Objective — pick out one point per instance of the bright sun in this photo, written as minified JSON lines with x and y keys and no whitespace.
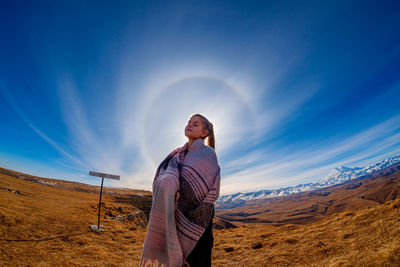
{"x":171,"y":108}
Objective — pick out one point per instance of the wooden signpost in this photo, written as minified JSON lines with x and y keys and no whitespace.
{"x":102,"y":175}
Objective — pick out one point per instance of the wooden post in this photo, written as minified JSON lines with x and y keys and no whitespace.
{"x":101,"y":192}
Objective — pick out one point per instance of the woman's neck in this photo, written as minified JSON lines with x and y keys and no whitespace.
{"x":190,"y":142}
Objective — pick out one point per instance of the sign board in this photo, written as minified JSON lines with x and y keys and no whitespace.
{"x":104,"y":175}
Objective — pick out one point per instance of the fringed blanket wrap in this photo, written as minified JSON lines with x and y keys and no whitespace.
{"x":185,"y":188}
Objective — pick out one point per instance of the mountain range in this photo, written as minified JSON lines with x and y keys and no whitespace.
{"x":337,"y":176}
{"x":307,"y":207}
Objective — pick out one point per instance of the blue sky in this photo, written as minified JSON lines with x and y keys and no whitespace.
{"x":293,"y":88}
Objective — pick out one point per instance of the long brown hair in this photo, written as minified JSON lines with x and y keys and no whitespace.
{"x":207,"y":125}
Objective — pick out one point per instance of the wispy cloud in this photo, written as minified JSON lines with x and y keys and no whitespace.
{"x":148,"y":131}
{"x":314,"y":162}
{"x":25,"y":118}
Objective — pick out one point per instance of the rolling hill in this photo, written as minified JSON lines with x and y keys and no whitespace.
{"x":336,"y":176}
{"x":43,"y":224}
{"x":307,"y":207}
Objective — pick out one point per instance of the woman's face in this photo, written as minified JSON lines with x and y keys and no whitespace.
{"x":194,"y":128}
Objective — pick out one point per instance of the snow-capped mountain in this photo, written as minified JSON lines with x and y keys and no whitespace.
{"x":344,"y":174}
{"x":338,"y":175}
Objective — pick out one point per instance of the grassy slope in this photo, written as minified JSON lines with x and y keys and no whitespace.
{"x":47,"y":225}
{"x":312,"y":206}
{"x":367,"y":237}
{"x":50,"y":226}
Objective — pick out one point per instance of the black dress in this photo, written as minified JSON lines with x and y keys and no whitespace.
{"x":201,"y":254}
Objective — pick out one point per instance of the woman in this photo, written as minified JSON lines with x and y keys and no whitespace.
{"x":185,"y":187}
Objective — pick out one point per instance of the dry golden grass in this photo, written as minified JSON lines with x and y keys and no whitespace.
{"x":75,"y":186}
{"x":367,"y":237}
{"x":47,"y":226}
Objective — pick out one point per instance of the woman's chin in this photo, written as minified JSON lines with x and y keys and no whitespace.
{"x":190,"y":136}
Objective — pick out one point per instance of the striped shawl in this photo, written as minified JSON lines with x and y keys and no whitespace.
{"x":185,"y":187}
